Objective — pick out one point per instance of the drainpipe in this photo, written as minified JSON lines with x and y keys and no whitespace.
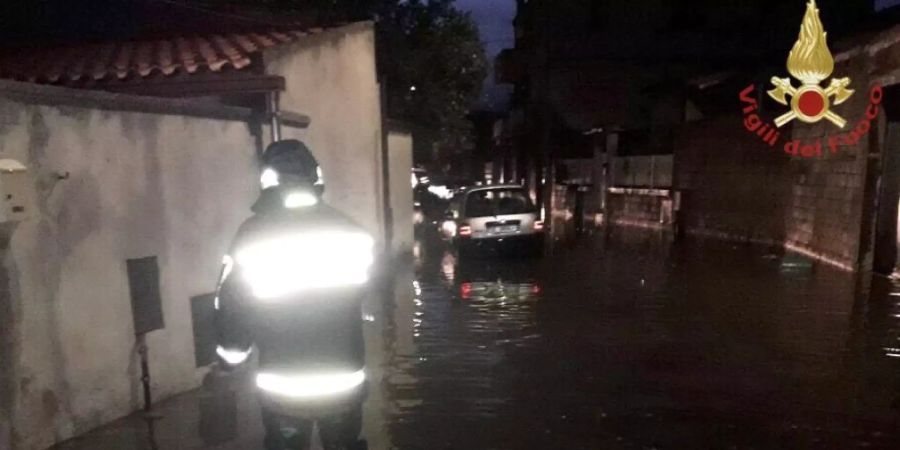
{"x":275,"y":121}
{"x":386,"y":171}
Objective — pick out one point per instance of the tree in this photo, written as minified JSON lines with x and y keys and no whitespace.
{"x":433,"y":64}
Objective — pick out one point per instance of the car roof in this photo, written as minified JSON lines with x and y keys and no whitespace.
{"x":492,"y":187}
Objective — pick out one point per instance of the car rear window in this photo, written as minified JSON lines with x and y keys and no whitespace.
{"x":497,"y":202}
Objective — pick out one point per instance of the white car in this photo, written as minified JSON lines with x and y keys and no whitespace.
{"x":486,"y":216}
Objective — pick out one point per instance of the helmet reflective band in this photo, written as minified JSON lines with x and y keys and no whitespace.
{"x":320,"y":178}
{"x":269,"y":178}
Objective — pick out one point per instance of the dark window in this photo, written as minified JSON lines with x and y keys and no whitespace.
{"x":496,"y":202}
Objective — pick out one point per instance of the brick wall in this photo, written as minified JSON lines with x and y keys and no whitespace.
{"x":735,"y":186}
{"x":827,"y":195}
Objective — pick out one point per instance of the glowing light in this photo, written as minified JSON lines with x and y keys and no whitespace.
{"x":539,"y":225}
{"x":296,"y":200}
{"x":314,"y":260}
{"x":465,"y":291}
{"x":320,"y":176}
{"x":465,"y":230}
{"x":269,"y":178}
{"x":412,"y":88}
{"x":227,"y":266}
{"x":449,"y":228}
{"x":441,"y":191}
{"x":414,"y":180}
{"x":231,"y":356}
{"x":310,"y":386}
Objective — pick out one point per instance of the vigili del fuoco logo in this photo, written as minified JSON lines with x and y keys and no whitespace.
{"x":810,"y":62}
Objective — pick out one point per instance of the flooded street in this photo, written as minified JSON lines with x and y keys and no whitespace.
{"x":625,"y":341}
{"x":633,"y":343}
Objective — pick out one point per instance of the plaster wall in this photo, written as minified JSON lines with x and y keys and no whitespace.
{"x":331,"y":77}
{"x":400,"y":149}
{"x":108,"y":186}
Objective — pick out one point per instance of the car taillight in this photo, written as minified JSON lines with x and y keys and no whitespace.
{"x":465,"y":230}
{"x":539,"y":225}
{"x":465,"y":291}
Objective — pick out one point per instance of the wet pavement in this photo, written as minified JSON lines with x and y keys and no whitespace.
{"x":621,"y":341}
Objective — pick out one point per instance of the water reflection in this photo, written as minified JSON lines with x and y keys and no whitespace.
{"x":633,"y":341}
{"x":892,"y":337}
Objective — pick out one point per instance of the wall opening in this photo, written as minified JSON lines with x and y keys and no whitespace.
{"x":886,"y":234}
{"x":886,"y":241}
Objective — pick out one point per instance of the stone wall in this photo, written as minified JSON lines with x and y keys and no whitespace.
{"x":111,"y":183}
{"x":825,"y":218}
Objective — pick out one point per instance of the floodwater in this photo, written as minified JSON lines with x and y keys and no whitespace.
{"x":613,"y":341}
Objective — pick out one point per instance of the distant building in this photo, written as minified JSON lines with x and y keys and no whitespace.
{"x":654,"y":86}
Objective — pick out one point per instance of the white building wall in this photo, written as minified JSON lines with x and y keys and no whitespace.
{"x":138,"y":185}
{"x":400,"y":148}
{"x":331,"y":77}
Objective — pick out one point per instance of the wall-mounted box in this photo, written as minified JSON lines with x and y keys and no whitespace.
{"x":16,"y":191}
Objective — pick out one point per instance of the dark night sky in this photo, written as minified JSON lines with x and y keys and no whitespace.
{"x":494,"y":19}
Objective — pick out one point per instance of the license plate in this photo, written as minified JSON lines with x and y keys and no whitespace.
{"x":505,"y":229}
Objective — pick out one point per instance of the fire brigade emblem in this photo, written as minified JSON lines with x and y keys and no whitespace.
{"x":811,"y":62}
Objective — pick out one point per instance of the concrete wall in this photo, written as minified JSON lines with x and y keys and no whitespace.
{"x":331,"y":77}
{"x":138,"y":184}
{"x":400,"y":148}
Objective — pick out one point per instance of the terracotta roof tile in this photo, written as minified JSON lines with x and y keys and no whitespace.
{"x":110,"y":61}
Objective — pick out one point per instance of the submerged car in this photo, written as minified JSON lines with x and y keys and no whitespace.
{"x":494,"y":216}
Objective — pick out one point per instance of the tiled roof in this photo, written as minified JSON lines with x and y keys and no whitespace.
{"x":120,"y":60}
